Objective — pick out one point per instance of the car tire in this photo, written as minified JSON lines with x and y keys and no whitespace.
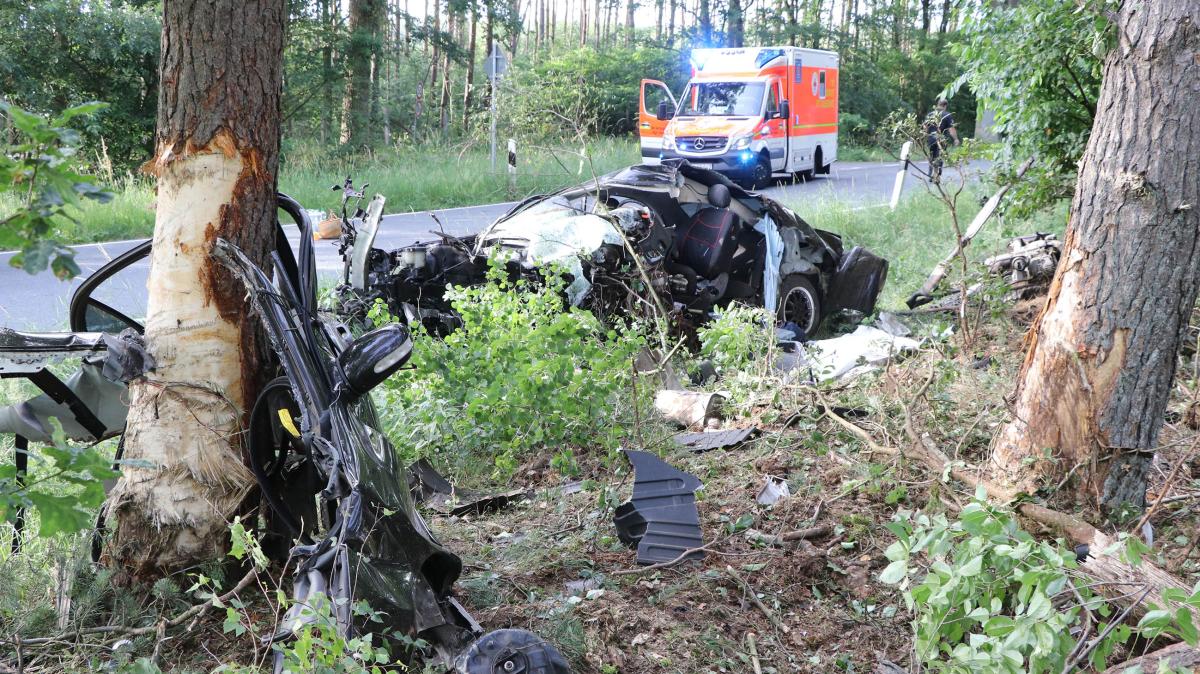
{"x":760,"y":175}
{"x":800,"y":303}
{"x":510,"y":650}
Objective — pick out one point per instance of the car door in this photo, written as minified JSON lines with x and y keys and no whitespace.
{"x":650,"y":127}
{"x":114,"y":297}
{"x":777,"y":140}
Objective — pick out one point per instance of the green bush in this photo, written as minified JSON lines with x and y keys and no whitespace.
{"x":522,"y":373}
{"x":991,"y":599}
{"x":585,"y":90}
{"x":738,"y":338}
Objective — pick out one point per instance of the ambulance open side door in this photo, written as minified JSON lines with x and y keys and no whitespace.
{"x":650,"y":127}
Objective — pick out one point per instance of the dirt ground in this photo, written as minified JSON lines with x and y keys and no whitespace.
{"x":553,"y":564}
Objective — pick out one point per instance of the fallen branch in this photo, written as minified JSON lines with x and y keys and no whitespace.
{"x":754,"y":598}
{"x":753,"y":653}
{"x":662,"y":565}
{"x":1177,"y":657}
{"x":819,"y":531}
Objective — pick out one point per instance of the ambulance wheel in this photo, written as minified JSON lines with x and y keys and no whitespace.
{"x":800,"y":303}
{"x":760,"y":175}
{"x":819,"y":165}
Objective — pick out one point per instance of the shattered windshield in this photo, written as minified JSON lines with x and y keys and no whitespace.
{"x":723,"y":99}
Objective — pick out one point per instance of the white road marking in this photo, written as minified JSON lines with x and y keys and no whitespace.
{"x":872,"y":166}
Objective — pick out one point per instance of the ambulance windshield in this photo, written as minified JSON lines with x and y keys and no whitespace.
{"x":723,"y":99}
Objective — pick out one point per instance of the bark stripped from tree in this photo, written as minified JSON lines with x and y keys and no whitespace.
{"x":216,"y":160}
{"x":1101,"y":356}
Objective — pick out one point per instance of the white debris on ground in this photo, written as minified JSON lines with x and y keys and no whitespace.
{"x":847,"y":356}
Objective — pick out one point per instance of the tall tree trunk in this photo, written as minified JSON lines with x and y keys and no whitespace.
{"x":735,"y":24}
{"x":792,"y":28}
{"x":469,"y":87}
{"x":444,"y":103}
{"x":436,"y":61}
{"x":658,"y":24}
{"x":217,"y":152}
{"x":1101,"y":356}
{"x":597,"y":28}
{"x":630,"y":8}
{"x":327,"y":78}
{"x":360,"y":54}
{"x":671,"y":22}
{"x":705,"y":18}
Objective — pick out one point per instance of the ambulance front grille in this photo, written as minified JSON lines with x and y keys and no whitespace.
{"x":701,"y":143}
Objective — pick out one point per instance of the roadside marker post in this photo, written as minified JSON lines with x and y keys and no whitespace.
{"x":904,"y":152}
{"x":512,"y":165}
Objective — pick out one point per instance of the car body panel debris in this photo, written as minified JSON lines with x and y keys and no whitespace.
{"x":661,"y":519}
{"x":773,"y":489}
{"x":1029,"y":265}
{"x":690,"y":409}
{"x":926,"y":294}
{"x":710,"y":440}
{"x":338,"y":509}
{"x":430,"y":488}
{"x":670,"y":238}
{"x":848,"y":356}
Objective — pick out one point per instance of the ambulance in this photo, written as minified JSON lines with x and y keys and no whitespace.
{"x":749,"y":113}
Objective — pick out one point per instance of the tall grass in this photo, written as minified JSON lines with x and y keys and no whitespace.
{"x":412,"y":179}
{"x":918,"y":234}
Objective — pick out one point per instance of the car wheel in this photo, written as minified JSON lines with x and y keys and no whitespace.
{"x":510,"y":650}
{"x":800,"y":303}
{"x":761,"y":175}
{"x":819,"y":167}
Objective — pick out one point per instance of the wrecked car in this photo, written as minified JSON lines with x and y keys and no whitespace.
{"x":338,"y":504}
{"x":673,"y":235}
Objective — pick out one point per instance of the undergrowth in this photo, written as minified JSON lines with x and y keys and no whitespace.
{"x":524,"y":374}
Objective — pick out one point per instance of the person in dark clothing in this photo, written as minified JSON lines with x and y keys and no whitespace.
{"x":939,"y":127}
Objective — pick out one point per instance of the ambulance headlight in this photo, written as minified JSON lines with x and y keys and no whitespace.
{"x":742,"y":142}
{"x":668,"y":141}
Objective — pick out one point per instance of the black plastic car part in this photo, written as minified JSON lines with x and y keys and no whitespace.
{"x":709,"y":440}
{"x":661,"y":519}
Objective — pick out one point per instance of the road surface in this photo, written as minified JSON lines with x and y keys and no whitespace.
{"x":39,"y":302}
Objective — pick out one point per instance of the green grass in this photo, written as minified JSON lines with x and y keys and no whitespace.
{"x":864,"y":153}
{"x":412,"y":179}
{"x":918,"y":234}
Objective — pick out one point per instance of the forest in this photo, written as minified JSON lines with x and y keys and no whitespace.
{"x":300,"y":373}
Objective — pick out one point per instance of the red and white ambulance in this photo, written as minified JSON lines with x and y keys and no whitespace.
{"x":748,"y":113}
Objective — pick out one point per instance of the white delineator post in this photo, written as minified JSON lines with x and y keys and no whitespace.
{"x":512,"y":164}
{"x":904,"y":152}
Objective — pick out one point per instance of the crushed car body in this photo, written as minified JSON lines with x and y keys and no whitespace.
{"x":337,"y":502}
{"x":672,"y":235}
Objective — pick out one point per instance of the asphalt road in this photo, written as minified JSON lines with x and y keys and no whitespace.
{"x":39,"y":302}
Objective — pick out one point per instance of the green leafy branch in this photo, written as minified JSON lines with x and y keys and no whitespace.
{"x":40,"y":170}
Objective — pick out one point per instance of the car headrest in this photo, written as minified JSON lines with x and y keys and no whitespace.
{"x":719,"y":196}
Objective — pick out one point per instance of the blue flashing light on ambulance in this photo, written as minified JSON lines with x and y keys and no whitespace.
{"x":750,"y":113}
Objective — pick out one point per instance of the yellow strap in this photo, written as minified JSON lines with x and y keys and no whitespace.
{"x":285,"y":418}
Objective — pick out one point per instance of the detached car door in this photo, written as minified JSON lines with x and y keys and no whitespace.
{"x":650,"y":127}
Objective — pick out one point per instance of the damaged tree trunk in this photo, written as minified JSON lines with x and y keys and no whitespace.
{"x":1101,"y":356}
{"x":217,"y":150}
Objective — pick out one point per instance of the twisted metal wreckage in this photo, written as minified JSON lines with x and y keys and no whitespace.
{"x":687,"y":236}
